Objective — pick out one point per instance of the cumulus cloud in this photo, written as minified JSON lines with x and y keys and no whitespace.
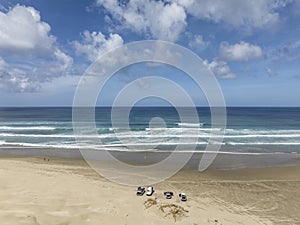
{"x":64,"y":60}
{"x":22,"y":31}
{"x":240,"y":52}
{"x":167,"y":19}
{"x":247,"y":13}
{"x":95,"y":43}
{"x":158,"y":19}
{"x":197,"y":42}
{"x":220,"y":69}
{"x":30,"y":54}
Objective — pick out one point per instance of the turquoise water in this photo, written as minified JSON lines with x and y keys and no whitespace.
{"x":249,"y":130}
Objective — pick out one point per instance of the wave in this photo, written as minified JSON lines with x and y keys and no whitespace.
{"x":27,"y":128}
{"x":190,"y":124}
{"x":6,"y":123}
{"x":32,"y":145}
{"x":4,"y":145}
{"x":263,"y":135}
{"x":49,"y":145}
{"x":267,"y":131}
{"x":150,"y":135}
{"x":181,"y":129}
{"x":263,"y":143}
{"x":143,"y":144}
{"x":168,"y":131}
{"x":39,"y":135}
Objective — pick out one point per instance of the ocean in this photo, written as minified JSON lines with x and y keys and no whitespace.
{"x":250,"y":131}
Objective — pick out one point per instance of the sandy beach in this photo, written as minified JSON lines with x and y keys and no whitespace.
{"x":49,"y":190}
{"x":101,"y":97}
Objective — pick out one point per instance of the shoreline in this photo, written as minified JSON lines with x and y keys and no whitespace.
{"x":56,"y":190}
{"x":262,"y":173}
{"x":223,"y":161}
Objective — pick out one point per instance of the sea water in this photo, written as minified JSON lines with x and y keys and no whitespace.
{"x":248,"y":131}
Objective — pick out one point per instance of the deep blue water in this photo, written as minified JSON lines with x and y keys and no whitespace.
{"x":249,"y":130}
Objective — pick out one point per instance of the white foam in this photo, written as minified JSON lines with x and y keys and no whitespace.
{"x":27,"y":128}
{"x":35,"y":123}
{"x":100,"y":147}
{"x":190,"y":124}
{"x":263,"y":143}
{"x":155,"y":144}
{"x":181,"y":129}
{"x":150,"y":135}
{"x":23,"y":144}
{"x":263,"y":136}
{"x":255,"y":131}
{"x":39,"y":135}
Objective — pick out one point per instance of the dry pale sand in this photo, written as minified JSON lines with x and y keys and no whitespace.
{"x":66,"y":191}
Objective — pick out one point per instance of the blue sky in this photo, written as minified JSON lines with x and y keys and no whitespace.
{"x":253,"y":47}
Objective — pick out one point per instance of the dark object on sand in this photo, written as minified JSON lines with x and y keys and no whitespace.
{"x":168,"y":194}
{"x":140,"y":191}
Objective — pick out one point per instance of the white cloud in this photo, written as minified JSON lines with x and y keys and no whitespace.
{"x":14,"y":79}
{"x":236,"y":13}
{"x":220,"y":69}
{"x":2,"y":64}
{"x":197,"y":42}
{"x":240,"y":52}
{"x":95,"y":43}
{"x":30,"y":54}
{"x":158,"y":19}
{"x":22,"y":31}
{"x":65,"y":61}
{"x":166,"y":19}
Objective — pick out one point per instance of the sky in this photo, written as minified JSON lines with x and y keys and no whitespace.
{"x":252,"y":47}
